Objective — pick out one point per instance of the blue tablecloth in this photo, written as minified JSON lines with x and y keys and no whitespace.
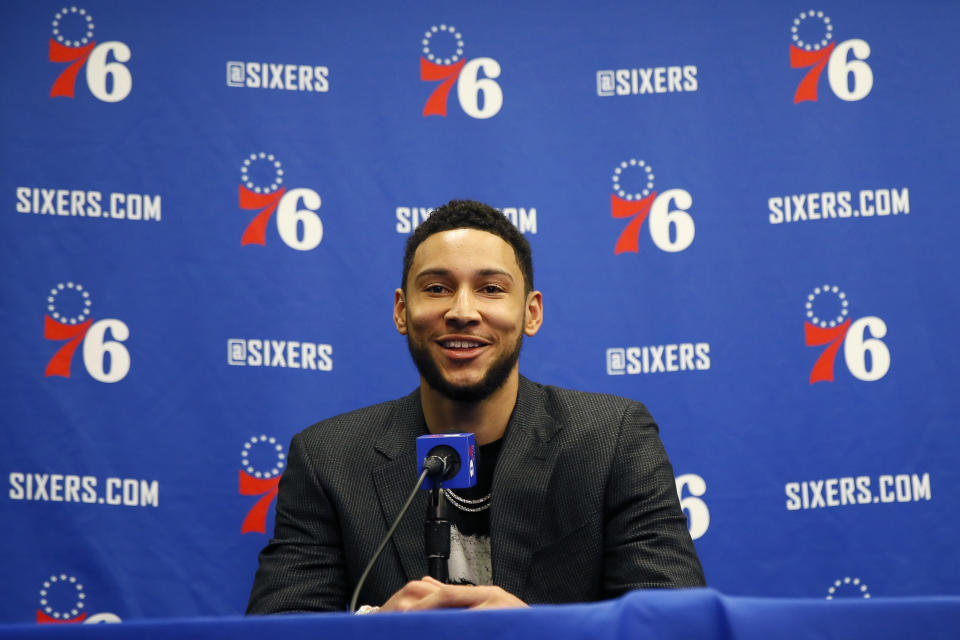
{"x":700,"y":614}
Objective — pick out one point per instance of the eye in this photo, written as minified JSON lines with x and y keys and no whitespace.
{"x":492,"y":289}
{"x":434,"y":288}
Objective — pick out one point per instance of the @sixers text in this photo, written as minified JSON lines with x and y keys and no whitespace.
{"x":288,"y":354}
{"x":287,"y":77}
{"x":662,"y":358}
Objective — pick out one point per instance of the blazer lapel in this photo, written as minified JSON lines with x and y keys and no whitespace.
{"x":520,"y":486}
{"x":394,"y":479}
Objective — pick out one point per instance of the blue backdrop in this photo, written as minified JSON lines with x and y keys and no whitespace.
{"x":740,"y":214}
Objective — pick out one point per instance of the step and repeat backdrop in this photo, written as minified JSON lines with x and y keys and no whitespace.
{"x":742,"y":214}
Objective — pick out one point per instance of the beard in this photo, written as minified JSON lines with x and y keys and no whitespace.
{"x":494,"y":378}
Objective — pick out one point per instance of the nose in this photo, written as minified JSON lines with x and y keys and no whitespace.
{"x":463,"y":308}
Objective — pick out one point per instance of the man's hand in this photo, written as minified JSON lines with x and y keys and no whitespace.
{"x":427,"y":593}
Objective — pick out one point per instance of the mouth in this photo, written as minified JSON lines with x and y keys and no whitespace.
{"x":461,"y":348}
{"x":460,"y":344}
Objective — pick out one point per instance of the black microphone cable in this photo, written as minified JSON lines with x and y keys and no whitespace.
{"x":429,"y":468}
{"x":444,"y":466}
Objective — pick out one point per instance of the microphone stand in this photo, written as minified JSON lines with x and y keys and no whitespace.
{"x":437,"y":534}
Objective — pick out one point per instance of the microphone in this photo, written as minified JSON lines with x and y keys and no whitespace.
{"x":450,"y":459}
{"x":443,"y":457}
{"x":442,"y":462}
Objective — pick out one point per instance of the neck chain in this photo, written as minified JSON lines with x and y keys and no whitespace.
{"x":466,"y":504}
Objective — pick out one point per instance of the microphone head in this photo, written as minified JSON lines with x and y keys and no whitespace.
{"x":449,"y":446}
{"x":442,"y":463}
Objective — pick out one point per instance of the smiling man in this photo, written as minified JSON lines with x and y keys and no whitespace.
{"x":575,"y":498}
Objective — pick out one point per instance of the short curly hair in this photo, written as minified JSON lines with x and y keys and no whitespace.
{"x":469,"y":214}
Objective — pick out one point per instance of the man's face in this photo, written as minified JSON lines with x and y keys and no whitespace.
{"x":465,"y":312}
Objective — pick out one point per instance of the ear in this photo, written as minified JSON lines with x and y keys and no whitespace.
{"x":534,"y":313}
{"x":400,"y":311}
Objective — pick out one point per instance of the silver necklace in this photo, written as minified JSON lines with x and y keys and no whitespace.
{"x":466,"y":504}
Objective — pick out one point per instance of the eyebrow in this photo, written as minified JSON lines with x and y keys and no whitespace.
{"x":446,"y":273}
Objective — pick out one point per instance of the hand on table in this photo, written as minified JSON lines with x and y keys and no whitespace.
{"x":427,"y":593}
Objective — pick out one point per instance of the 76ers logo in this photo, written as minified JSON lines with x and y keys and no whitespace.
{"x":829,"y":323}
{"x":73,"y":43}
{"x":813,"y":46}
{"x":300,"y":229}
{"x":634,"y":197}
{"x":698,"y":515}
{"x":255,"y":482}
{"x":62,"y":599}
{"x":68,"y":319}
{"x":442,"y":62}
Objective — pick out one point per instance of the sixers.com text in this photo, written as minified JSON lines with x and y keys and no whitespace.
{"x":89,"y":204}
{"x":523,"y":218}
{"x":65,"y":487}
{"x":828,"y":205}
{"x":838,"y":492}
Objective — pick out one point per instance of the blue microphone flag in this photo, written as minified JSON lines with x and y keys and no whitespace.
{"x":465,"y":446}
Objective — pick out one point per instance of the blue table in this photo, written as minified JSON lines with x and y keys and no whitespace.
{"x":696,"y":614}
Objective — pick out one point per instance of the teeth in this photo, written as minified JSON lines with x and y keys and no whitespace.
{"x":460,"y":344}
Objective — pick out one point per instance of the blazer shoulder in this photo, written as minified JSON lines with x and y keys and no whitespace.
{"x":570,"y":407}
{"x":339,"y":434}
{"x":586,"y":404}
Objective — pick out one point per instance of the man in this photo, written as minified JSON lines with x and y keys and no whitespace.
{"x":582,"y":504}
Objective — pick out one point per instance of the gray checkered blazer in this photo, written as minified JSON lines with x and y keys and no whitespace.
{"x":584,"y":506}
